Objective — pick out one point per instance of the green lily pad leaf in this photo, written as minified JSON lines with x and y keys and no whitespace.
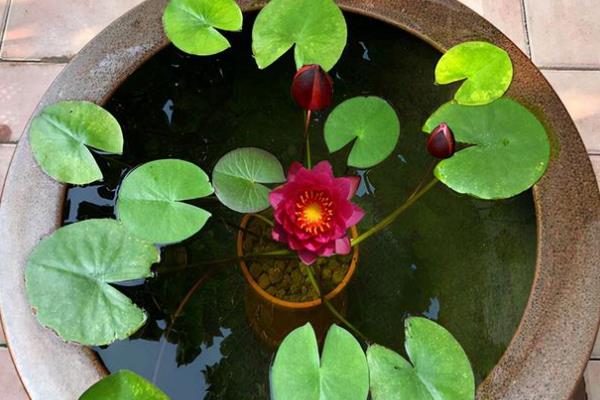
{"x":368,"y":121}
{"x":316,"y":27}
{"x":440,"y":369}
{"x":150,"y":200}
{"x":124,"y":385}
{"x":510,"y":149}
{"x":192,"y":24}
{"x":68,"y":278}
{"x":341,"y":373}
{"x":487,"y":69}
{"x":59,"y":136}
{"x":239,"y":175}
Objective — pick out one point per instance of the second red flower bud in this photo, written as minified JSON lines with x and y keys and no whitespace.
{"x":312,"y":88}
{"x":441,"y":142}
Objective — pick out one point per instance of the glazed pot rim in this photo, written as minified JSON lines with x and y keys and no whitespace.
{"x":286,"y":304}
{"x":563,"y":306}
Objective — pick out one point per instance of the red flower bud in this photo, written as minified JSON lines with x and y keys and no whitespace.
{"x":312,"y":88}
{"x":441,"y":142}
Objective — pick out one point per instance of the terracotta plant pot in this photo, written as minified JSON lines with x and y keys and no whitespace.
{"x":553,"y":342}
{"x":272,"y":318}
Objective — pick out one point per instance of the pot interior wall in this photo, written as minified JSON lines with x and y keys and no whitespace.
{"x":466,"y":263}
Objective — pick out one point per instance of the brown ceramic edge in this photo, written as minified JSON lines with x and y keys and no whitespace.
{"x":570,"y":141}
{"x":291,"y":304}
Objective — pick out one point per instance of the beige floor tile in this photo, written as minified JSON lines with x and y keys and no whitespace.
{"x":506,"y":15}
{"x":10,"y":385}
{"x":42,"y":29}
{"x":21,"y":87}
{"x":580,"y":91}
{"x":592,"y":380}
{"x":564,"y":32}
{"x":6,"y":153}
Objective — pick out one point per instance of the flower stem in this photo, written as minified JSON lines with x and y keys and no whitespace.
{"x":331,"y":307}
{"x":307,"y":137}
{"x":395,"y":214}
{"x":186,"y":299}
{"x":263,"y":219}
{"x":161,"y":270}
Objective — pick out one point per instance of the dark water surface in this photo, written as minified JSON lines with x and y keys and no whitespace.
{"x":466,"y":263}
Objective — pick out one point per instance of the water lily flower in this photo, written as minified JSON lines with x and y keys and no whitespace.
{"x":441,"y":142}
{"x":313,"y":211}
{"x":312,"y":88}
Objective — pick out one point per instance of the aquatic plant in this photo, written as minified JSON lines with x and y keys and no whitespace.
{"x":482,"y":144}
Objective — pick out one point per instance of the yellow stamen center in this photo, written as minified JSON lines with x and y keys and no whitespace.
{"x":314,"y":211}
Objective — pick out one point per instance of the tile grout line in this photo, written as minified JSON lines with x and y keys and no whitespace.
{"x":574,"y":68}
{"x":5,"y":22}
{"x":526,"y":27}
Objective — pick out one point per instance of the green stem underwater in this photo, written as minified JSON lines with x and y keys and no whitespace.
{"x":395,"y":214}
{"x":161,"y":270}
{"x":331,"y":308}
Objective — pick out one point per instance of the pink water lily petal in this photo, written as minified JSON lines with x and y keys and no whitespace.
{"x":357,"y":215}
{"x":307,"y":257}
{"x":313,"y":211}
{"x":342,"y":245}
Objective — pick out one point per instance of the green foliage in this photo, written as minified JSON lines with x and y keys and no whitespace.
{"x":150,"y":200}
{"x":509,"y":153}
{"x":341,"y":373}
{"x":371,"y":123}
{"x":239,"y":175}
{"x":59,"y":136}
{"x":68,"y":278}
{"x":440,"y":369}
{"x":316,"y":27}
{"x":192,"y":24}
{"x":123,"y":385}
{"x":487,"y":69}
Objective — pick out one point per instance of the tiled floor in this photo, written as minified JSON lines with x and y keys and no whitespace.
{"x":39,"y":36}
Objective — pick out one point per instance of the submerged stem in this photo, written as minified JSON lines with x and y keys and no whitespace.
{"x":263,"y":219}
{"x":395,"y":214}
{"x":186,"y":299}
{"x":270,"y":254}
{"x":331,"y":308}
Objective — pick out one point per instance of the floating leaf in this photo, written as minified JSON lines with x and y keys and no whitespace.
{"x":238,"y":178}
{"x":510,"y":149}
{"x":341,"y":373}
{"x":368,"y":121}
{"x":440,"y":369}
{"x":192,"y":24}
{"x":150,"y":200}
{"x":487,"y":69}
{"x":59,"y":136}
{"x":316,"y":27}
{"x":68,"y":278}
{"x":124,"y":385}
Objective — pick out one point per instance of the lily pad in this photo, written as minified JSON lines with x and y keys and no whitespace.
{"x":59,"y":136}
{"x":341,"y":373}
{"x":316,"y":27}
{"x":368,"y":121}
{"x":150,"y":200}
{"x":440,"y":369}
{"x":192,"y":24}
{"x":124,"y":385}
{"x":239,"y":176}
{"x":509,"y":153}
{"x":487,"y":69}
{"x":68,"y":278}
